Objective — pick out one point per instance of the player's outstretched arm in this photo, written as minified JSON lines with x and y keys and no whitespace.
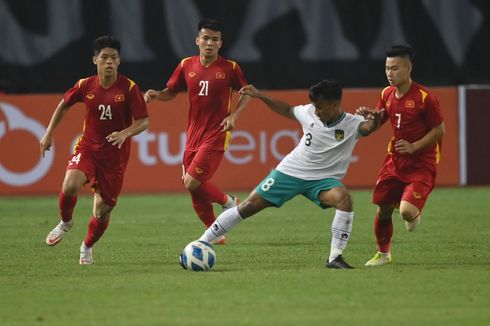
{"x":163,"y":95}
{"x":47,"y":139}
{"x":277,"y":106}
{"x":373,"y":120}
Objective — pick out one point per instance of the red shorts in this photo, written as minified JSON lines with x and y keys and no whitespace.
{"x":105,"y":172}
{"x":413,"y":186}
{"x":202,"y":165}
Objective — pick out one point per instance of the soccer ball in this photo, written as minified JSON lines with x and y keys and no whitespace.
{"x":198,"y":256}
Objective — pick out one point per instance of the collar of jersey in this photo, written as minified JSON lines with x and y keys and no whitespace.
{"x":336,"y":122}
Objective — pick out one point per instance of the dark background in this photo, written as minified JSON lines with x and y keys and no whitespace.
{"x":279,"y":41}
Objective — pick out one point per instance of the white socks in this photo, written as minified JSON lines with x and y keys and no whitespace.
{"x":224,"y":223}
{"x":341,"y":229}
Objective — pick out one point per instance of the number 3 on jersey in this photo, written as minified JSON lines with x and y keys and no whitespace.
{"x":105,"y":112}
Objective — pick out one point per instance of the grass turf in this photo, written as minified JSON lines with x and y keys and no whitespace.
{"x":271,"y":272}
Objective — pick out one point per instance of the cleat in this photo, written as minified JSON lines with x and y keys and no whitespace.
{"x":338,"y":263}
{"x":56,"y":234}
{"x":380,"y":258}
{"x":219,"y":241}
{"x":86,"y":257}
{"x":232,"y":202}
{"x":410,"y":226}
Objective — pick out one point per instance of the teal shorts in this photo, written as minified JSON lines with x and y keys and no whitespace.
{"x":279,"y":188}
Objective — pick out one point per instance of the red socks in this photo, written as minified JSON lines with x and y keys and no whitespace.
{"x":66,"y":205}
{"x":383,"y":230}
{"x":96,"y":229}
{"x":212,"y":193}
{"x":202,"y":199}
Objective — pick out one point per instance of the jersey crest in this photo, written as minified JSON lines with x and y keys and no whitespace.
{"x":339,"y":134}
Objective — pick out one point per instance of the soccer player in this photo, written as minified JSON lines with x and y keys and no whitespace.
{"x":314,"y":168}
{"x":409,"y":170}
{"x":115,"y":111}
{"x":209,"y":80}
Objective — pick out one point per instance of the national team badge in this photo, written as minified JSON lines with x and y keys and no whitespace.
{"x":220,"y":75}
{"x":119,"y":98}
{"x":409,"y":104}
{"x":192,"y":74}
{"x":339,"y":134}
{"x":90,"y":96}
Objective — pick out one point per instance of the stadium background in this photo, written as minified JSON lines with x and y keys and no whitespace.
{"x":282,"y":45}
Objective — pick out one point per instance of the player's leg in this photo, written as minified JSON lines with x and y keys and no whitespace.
{"x":387,"y":195}
{"x":274,"y":190}
{"x":199,"y":167}
{"x":78,"y":171}
{"x":107,"y":188}
{"x":96,"y":228}
{"x":413,"y":200}
{"x":332,"y":193}
{"x":229,"y":218}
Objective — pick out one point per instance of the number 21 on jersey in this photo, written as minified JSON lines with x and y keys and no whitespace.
{"x":204,"y":86}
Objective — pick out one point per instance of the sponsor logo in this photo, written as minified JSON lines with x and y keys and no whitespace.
{"x":90,"y":96}
{"x":344,"y":236}
{"x":409,"y":104}
{"x":417,"y":195}
{"x":119,"y":98}
{"x":215,"y":227}
{"x":220,"y":75}
{"x":192,"y":74}
{"x":16,"y":120}
{"x":339,"y":134}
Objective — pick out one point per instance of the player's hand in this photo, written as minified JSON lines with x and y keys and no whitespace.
{"x":228,"y":123}
{"x":404,"y":147}
{"x":117,"y":138}
{"x":46,"y":143}
{"x":150,"y":95}
{"x":250,"y":90}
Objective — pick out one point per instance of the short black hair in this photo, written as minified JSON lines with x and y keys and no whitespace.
{"x":106,"y":42}
{"x":327,"y":89}
{"x":212,"y":24}
{"x":401,"y":50}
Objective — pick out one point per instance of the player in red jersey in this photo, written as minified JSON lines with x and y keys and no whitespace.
{"x":115,"y":111}
{"x":209,"y":80}
{"x":409,"y":171}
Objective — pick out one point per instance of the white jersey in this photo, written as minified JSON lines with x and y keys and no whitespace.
{"x":324,"y":151}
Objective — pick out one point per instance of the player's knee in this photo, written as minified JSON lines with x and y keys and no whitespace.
{"x":346,"y":203}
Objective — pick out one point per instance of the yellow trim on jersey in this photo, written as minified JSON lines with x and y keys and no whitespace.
{"x":389,"y":145}
{"x":424,"y":95}
{"x":438,"y":153}
{"x":383,"y":91}
{"x":80,"y":82}
{"x":227,"y":140}
{"x":233,"y":63}
{"x":131,"y":84}
{"x":184,"y":60}
{"x":229,"y":99}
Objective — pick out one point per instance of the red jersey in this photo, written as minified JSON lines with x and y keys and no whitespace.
{"x":108,"y":110}
{"x":411,"y":117}
{"x":210,"y":90}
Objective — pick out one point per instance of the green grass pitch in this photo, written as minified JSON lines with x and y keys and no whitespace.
{"x":271,"y":272}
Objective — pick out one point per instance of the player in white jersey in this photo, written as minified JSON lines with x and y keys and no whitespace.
{"x":314,"y":168}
